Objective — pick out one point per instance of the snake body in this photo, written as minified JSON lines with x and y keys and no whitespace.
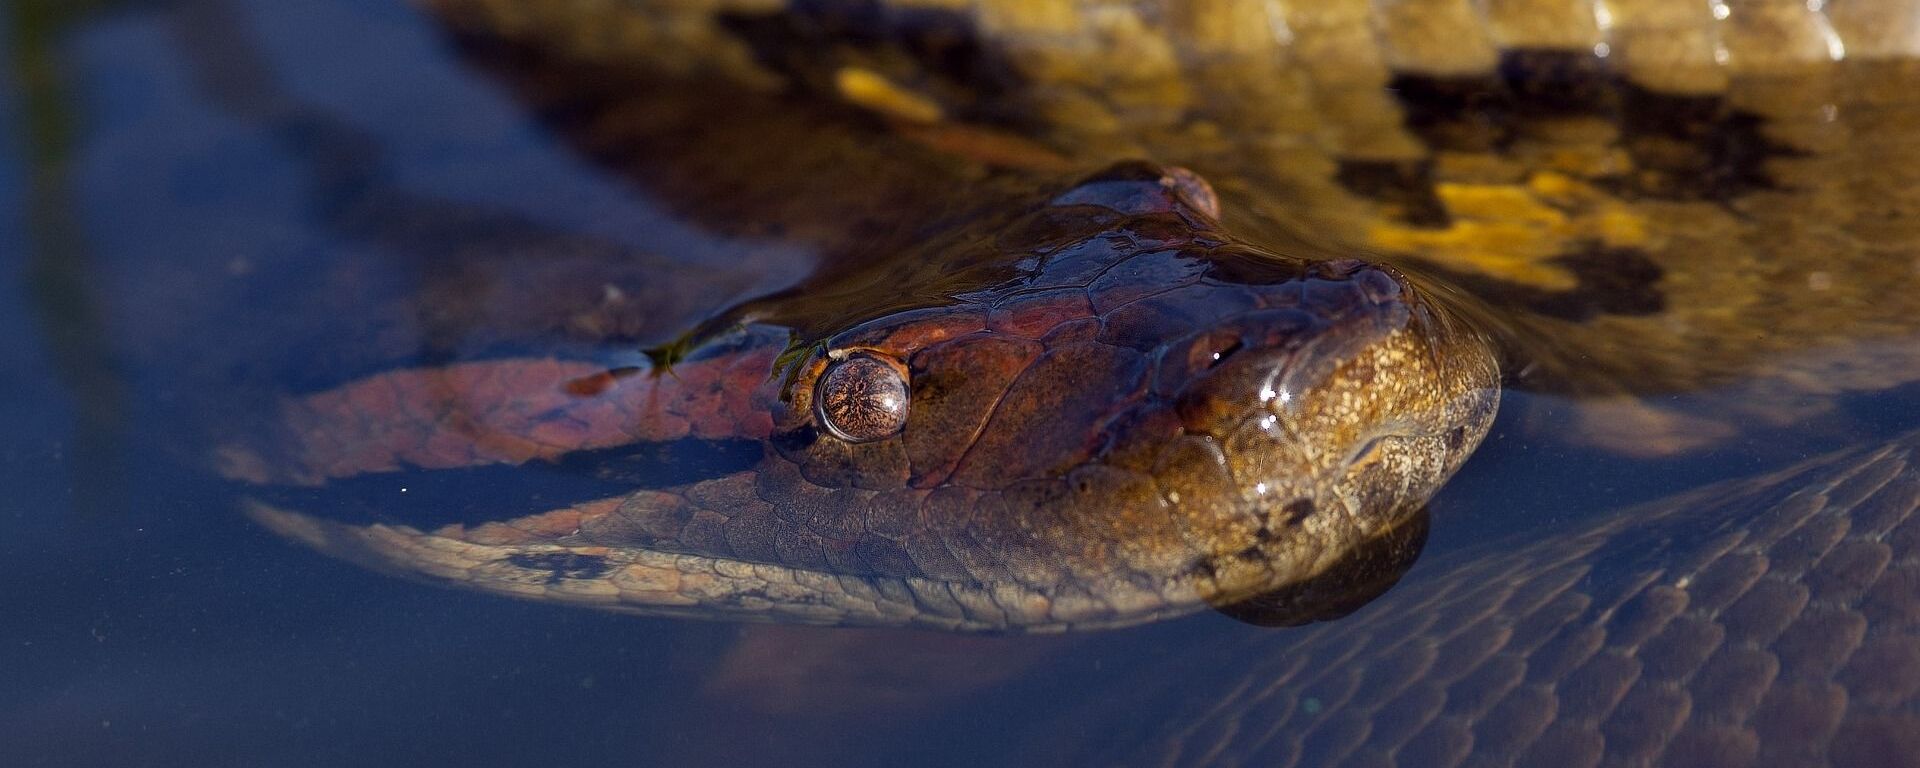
{"x":1628,"y":188}
{"x":1718,"y":204}
{"x":1771,"y":621}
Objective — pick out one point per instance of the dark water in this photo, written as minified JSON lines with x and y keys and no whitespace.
{"x":145,"y":622}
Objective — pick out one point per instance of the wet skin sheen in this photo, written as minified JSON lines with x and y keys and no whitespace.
{"x":1141,"y":418}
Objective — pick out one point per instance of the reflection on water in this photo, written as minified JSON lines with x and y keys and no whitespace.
{"x":186,"y":246}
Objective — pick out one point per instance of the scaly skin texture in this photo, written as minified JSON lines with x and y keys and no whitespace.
{"x":1624,"y":220}
{"x":1772,"y":621}
{"x":1141,"y":418}
{"x":1120,"y":412}
{"x":1650,"y":200}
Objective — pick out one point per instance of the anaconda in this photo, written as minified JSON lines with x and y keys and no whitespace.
{"x":1099,"y":398}
{"x":1631,"y":186}
{"x":1605,"y":205}
{"x":1634,"y":251}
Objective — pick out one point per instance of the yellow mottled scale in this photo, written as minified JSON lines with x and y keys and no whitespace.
{"x":1438,"y":37}
{"x":1569,"y":25}
{"x":1673,"y":47}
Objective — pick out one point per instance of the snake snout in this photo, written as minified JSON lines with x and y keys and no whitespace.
{"x":1269,"y":363}
{"x":1328,"y":392}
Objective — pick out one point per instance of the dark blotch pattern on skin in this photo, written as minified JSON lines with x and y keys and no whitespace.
{"x":562,"y":565}
{"x":1685,"y":147}
{"x":1611,"y":281}
{"x":1405,"y":187}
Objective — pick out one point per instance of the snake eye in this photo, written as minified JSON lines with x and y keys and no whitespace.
{"x":862,"y":398}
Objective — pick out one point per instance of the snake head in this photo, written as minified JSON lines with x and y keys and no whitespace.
{"x":1152,"y":413}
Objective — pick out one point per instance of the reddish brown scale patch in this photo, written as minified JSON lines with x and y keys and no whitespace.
{"x":955,"y":388}
{"x":598,"y":383}
{"x":660,"y":424}
{"x":1028,"y":435}
{"x":371,"y":396}
{"x":1033,"y":316}
{"x":514,"y":411}
{"x":1075,"y":332}
{"x":905,"y":333}
{"x":638,"y":516}
{"x":561,"y":431}
{"x":449,"y":447}
{"x":597,"y":411}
